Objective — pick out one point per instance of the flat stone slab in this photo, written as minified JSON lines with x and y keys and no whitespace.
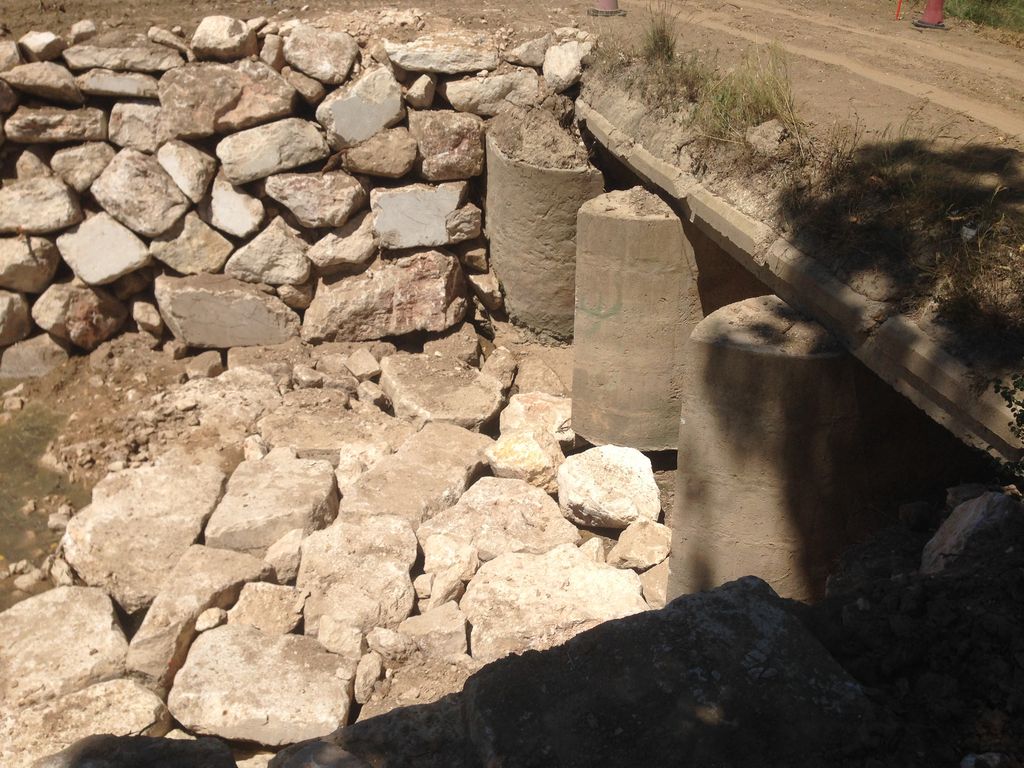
{"x":138,"y":526}
{"x":296,"y":691}
{"x":269,"y":497}
{"x":53,"y":125}
{"x":429,"y":473}
{"x":518,"y":602}
{"x":101,"y":249}
{"x":42,"y":657}
{"x":203,"y":578}
{"x":214,"y":311}
{"x":498,"y":515}
{"x":416,"y":215}
{"x":445,"y":53}
{"x":422,"y":291}
{"x":357,"y":574}
{"x":36,"y":206}
{"x":439,"y":388}
{"x":268,"y":149}
{"x":117,"y":707}
{"x":360,"y":109}
{"x":117,"y":52}
{"x":317,"y":424}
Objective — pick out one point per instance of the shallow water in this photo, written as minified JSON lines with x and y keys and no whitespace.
{"x":23,"y":441}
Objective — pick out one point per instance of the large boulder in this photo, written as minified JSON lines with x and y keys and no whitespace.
{"x":518,"y":602}
{"x":137,"y":191}
{"x":36,"y":206}
{"x":56,"y":643}
{"x":268,"y":497}
{"x":101,"y":249}
{"x":295,"y":691}
{"x":322,"y":54}
{"x":726,"y":677}
{"x":445,"y":53}
{"x":84,"y":315}
{"x":214,"y":311}
{"x":202,"y":578}
{"x":362,"y":108}
{"x":425,"y":387}
{"x":53,"y":125}
{"x":451,"y":144}
{"x":357,"y":573}
{"x":609,"y":486}
{"x":429,"y":473}
{"x":259,"y":152}
{"x":318,"y":199}
{"x":421,"y":291}
{"x":138,"y":526}
{"x":118,"y":707}
{"x":497,"y":515}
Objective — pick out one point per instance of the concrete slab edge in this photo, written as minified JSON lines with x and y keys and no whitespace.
{"x":891,"y":345}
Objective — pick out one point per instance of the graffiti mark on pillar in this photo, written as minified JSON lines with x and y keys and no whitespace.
{"x":593,"y":313}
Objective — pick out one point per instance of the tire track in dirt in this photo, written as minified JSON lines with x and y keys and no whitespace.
{"x":991,"y":66}
{"x":1009,"y":123}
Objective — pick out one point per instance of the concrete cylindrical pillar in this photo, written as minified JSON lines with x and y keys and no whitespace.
{"x":532,"y":200}
{"x":636,"y":304}
{"x":770,"y":453}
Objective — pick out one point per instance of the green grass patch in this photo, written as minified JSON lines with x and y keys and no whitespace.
{"x":1000,"y":14}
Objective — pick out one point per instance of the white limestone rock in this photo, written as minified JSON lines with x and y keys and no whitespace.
{"x":415,"y":215}
{"x":966,"y":520}
{"x":119,"y":85}
{"x":45,"y":80}
{"x":276,"y":256}
{"x":348,"y":248}
{"x":322,"y":54}
{"x":53,"y":125}
{"x":214,"y":311}
{"x":445,"y":53}
{"x":655,"y":585}
{"x":608,"y":487}
{"x":422,"y":291}
{"x":496,"y":516}
{"x":563,"y":64}
{"x":497,"y":93}
{"x":223,"y":38}
{"x":191,"y":247}
{"x":27,"y":263}
{"x":79,"y":166}
{"x":266,"y":499}
{"x":82,"y":30}
{"x":530,"y":53}
{"x":427,"y":474}
{"x":439,"y":632}
{"x":136,"y":191}
{"x":533,"y":456}
{"x":259,"y":152}
{"x":203,"y":578}
{"x":138,"y":125}
{"x":362,"y":108}
{"x":284,"y":555}
{"x":519,"y":602}
{"x":642,"y":545}
{"x":318,"y":199}
{"x":147,"y":316}
{"x":297,"y":691}
{"x":271,"y":608}
{"x":191,"y":168}
{"x":231,"y":209}
{"x":101,"y":249}
{"x":41,"y":46}
{"x":419,"y":94}
{"x":357,"y":573}
{"x":540,"y":412}
{"x":138,"y":526}
{"x":117,"y":707}
{"x":43,"y":658}
{"x":15,"y":323}
{"x":37,"y":206}
{"x":425,"y":388}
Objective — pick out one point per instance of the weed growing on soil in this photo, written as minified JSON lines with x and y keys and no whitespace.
{"x":1001,"y":14}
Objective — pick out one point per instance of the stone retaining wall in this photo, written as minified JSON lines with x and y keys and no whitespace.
{"x":256,"y":182}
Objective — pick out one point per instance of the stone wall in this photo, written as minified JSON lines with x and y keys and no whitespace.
{"x":255,"y":182}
